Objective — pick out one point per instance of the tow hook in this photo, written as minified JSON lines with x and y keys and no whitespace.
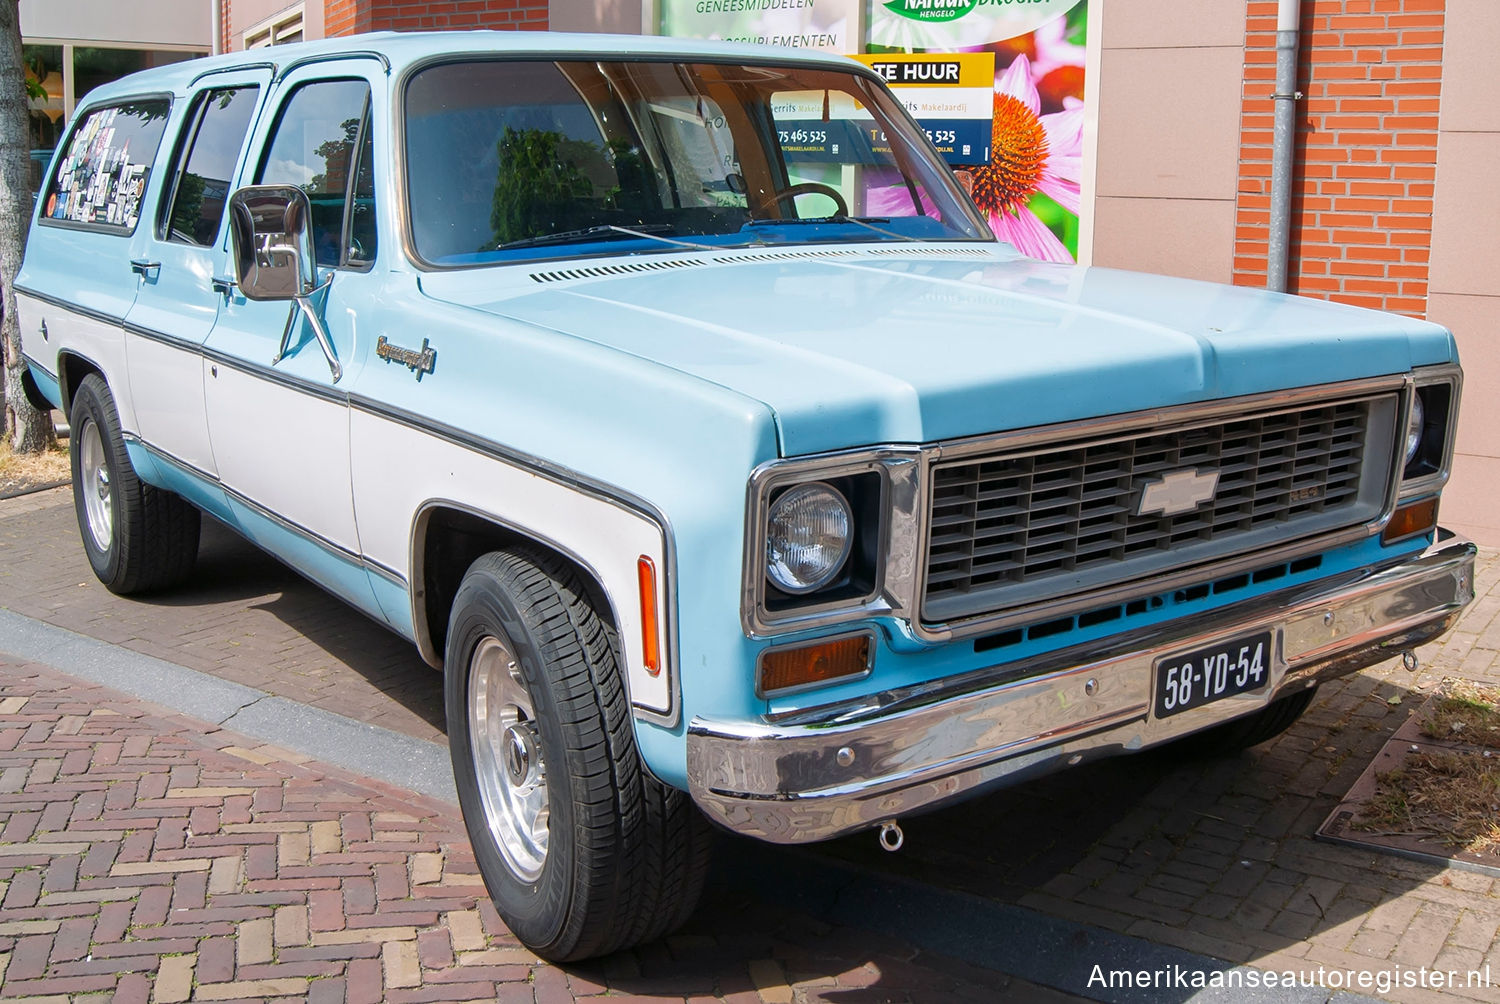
{"x":891,"y":838}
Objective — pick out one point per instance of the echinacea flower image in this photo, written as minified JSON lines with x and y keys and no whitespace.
{"x":1030,"y":153}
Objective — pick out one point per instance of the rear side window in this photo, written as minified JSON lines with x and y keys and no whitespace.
{"x":213,"y":137}
{"x":106,"y":165}
{"x":314,"y":147}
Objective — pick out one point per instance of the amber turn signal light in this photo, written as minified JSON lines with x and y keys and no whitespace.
{"x":786,"y":668}
{"x":1410,"y":520}
{"x":645,"y":570}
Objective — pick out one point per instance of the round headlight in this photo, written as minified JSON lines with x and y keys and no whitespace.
{"x":1414,"y":423}
{"x":808,"y":537}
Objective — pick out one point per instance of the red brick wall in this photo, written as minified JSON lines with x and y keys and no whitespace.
{"x":344,"y":17}
{"x":1366,"y":150}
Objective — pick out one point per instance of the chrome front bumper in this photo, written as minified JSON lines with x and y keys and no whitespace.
{"x":850,"y":766}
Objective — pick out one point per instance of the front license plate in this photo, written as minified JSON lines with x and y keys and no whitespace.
{"x":1192,"y":679}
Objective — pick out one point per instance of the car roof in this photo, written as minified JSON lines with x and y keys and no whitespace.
{"x":402,"y":49}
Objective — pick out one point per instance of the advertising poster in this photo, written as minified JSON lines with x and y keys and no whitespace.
{"x":949,"y":94}
{"x":1029,"y":188}
{"x":827,"y":25}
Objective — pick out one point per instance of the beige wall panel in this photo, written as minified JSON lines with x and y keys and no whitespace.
{"x":1470,"y":74}
{"x":143,"y":23}
{"x":1471,"y":502}
{"x":595,"y":15}
{"x":246,"y":14}
{"x":1174,"y":142}
{"x":1189,"y":238}
{"x":1466,"y":206}
{"x":1475,"y":323}
{"x":1157,"y":26}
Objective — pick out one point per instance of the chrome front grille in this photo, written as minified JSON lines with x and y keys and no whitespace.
{"x":1022,"y":527}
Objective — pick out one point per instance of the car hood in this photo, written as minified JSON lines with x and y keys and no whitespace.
{"x":851,"y":346}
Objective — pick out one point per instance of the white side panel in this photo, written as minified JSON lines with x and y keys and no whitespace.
{"x":101,"y":343}
{"x":167,"y":385}
{"x":285,"y":449}
{"x":397,"y":469}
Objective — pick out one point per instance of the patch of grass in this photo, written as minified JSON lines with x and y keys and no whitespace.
{"x":1453,"y":797}
{"x":1466,"y":713}
{"x":50,"y":465}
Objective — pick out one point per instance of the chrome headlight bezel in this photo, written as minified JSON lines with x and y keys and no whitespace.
{"x":880,"y":487}
{"x":1438,"y":388}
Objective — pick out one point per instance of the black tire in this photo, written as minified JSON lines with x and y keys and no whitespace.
{"x":625,"y":856}
{"x":1242,"y":733}
{"x":149,"y":538}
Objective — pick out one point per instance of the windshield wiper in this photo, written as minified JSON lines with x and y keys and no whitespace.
{"x":606,"y":231}
{"x":868,"y":222}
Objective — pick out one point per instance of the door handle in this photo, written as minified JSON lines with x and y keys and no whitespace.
{"x":143,"y":266}
{"x":222,"y":284}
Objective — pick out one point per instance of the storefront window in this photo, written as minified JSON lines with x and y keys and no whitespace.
{"x":44,"y":71}
{"x":95,"y":66}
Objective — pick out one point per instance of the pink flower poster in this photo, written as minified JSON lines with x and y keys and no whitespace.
{"x":1029,"y":189}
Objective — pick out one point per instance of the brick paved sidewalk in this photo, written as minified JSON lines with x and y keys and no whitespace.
{"x":150,"y":857}
{"x":242,"y":616}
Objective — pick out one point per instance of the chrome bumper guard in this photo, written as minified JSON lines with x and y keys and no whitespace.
{"x":847,"y":767}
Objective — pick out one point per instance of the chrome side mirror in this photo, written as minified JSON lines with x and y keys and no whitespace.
{"x":273,"y":250}
{"x":270,"y":229}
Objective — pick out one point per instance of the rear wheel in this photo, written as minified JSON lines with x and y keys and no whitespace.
{"x":583,"y":852}
{"x":137,"y":537}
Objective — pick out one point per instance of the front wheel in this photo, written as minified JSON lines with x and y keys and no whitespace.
{"x":582,"y":850}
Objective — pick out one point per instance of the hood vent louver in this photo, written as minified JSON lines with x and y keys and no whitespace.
{"x":746,"y":257}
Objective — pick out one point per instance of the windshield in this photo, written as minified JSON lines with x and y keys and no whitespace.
{"x":530,"y":159}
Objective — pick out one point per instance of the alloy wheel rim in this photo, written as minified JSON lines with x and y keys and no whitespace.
{"x":508,"y":763}
{"x":97,"y":486}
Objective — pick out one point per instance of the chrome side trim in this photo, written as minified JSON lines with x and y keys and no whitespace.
{"x":273,"y":375}
{"x":34,"y":363}
{"x":556,"y":473}
{"x":333,"y":549}
{"x":434,"y":658}
{"x":833,"y":770}
{"x":152,"y":335}
{"x":236,"y":68}
{"x":333,"y":57}
{"x":53,"y":301}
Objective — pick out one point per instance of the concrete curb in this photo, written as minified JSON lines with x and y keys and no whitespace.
{"x":402,"y":760}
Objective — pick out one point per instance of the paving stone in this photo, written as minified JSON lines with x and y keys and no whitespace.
{"x":324,"y":911}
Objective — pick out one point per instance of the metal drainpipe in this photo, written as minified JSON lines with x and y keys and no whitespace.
{"x":217,"y":20}
{"x":1284,"y":140}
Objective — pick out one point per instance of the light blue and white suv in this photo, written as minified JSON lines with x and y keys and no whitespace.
{"x":675,"y":402}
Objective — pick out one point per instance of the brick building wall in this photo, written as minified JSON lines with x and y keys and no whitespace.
{"x":1367,"y":131}
{"x":345,"y":17}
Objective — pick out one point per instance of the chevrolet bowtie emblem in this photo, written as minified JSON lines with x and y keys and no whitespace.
{"x":1178,"y":492}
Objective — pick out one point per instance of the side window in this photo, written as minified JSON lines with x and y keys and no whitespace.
{"x":313,"y":147}
{"x":212,"y":139}
{"x":106,"y":164}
